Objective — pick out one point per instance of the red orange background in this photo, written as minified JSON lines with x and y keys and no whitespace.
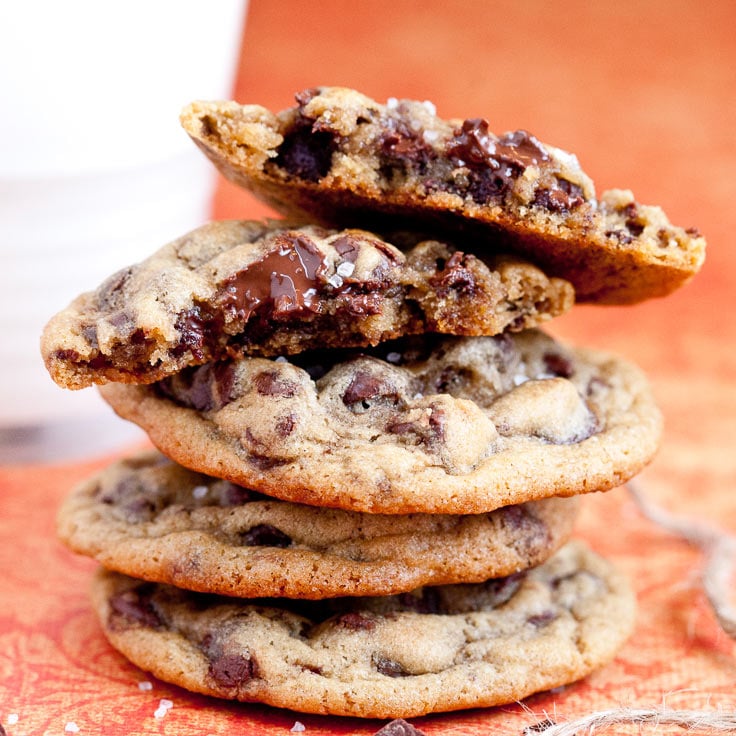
{"x":644,"y":94}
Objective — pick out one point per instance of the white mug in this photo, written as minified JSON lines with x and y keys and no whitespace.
{"x":95,"y":174}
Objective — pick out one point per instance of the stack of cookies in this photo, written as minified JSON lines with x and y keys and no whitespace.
{"x":368,"y":453}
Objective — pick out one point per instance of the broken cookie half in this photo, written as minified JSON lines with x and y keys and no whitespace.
{"x":234,"y":289}
{"x":342,"y":159}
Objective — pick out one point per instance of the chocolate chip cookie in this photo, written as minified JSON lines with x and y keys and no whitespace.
{"x":433,"y":649}
{"x":432,"y":424}
{"x":150,"y":518}
{"x":250,"y":288}
{"x":343,"y":159}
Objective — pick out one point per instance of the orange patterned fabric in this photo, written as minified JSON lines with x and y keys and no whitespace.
{"x":643,"y":93}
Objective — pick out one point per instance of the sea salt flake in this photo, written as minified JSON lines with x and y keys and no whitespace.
{"x":392,"y":103}
{"x":199,"y":491}
{"x":145,"y":685}
{"x":393,"y":357}
{"x":345,"y":269}
{"x":430,"y":136}
{"x":12,"y":719}
{"x":164,"y":706}
{"x":298,"y":726}
{"x":335,"y":281}
{"x":71,"y":727}
{"x":430,"y":107}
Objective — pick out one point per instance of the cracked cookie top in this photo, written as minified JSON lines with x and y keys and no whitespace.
{"x":231,"y":289}
{"x":341,"y":158}
{"x":148,"y":517}
{"x":429,"y":424}
{"x":430,"y":650}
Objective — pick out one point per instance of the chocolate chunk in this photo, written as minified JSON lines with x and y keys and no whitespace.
{"x":232,"y":670}
{"x":558,"y":365}
{"x":473,"y":145}
{"x":500,"y":590}
{"x":533,"y":534}
{"x":356,"y":621}
{"x":285,"y":425}
{"x":306,"y":153}
{"x":540,"y":620}
{"x":234,"y":495}
{"x":399,"y":727}
{"x":424,"y":600}
{"x":564,"y":198}
{"x":455,"y":274}
{"x":265,"y":535}
{"x":197,"y":328}
{"x":364,"y":388}
{"x":489,"y":185}
{"x":347,"y":247}
{"x":403,"y":149}
{"x":134,"y":606}
{"x":268,"y":383}
{"x":204,"y":388}
{"x":229,"y":666}
{"x":287,"y":280}
{"x":388,"y":667}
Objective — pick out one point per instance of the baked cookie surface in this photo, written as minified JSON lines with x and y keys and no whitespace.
{"x":240,"y":288}
{"x":434,"y":649}
{"x":341,"y":158}
{"x":150,"y":518}
{"x":430,"y":424}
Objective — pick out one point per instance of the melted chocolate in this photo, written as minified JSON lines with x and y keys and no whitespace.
{"x":474,"y":145}
{"x":288,"y":277}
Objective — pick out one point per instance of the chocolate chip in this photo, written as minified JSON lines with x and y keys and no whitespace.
{"x":232,"y":670}
{"x":134,"y":606}
{"x":265,"y":535}
{"x":229,"y":666}
{"x":455,"y":274}
{"x":424,"y":600}
{"x":364,"y":388}
{"x":234,"y":495}
{"x":197,"y":328}
{"x":399,"y":727}
{"x":531,"y":534}
{"x":270,"y":383}
{"x":489,"y":185}
{"x":356,"y":621}
{"x":558,"y":365}
{"x":388,"y":667}
{"x":403,"y":149}
{"x":204,"y":388}
{"x":305,"y":153}
{"x":540,"y":620}
{"x":285,"y":425}
{"x":500,"y":590}
{"x":474,"y":145}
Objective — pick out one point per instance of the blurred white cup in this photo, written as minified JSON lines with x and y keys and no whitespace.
{"x":95,"y":174}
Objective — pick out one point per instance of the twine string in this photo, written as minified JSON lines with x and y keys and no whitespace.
{"x":718,"y":547}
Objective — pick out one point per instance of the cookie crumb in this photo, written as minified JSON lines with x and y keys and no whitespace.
{"x":71,"y":727}
{"x":298,"y":726}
